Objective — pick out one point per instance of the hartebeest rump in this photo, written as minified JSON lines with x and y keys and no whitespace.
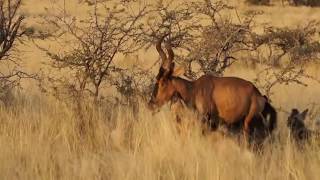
{"x":231,"y":99}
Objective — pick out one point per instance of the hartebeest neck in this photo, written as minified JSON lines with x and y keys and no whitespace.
{"x":184,"y":88}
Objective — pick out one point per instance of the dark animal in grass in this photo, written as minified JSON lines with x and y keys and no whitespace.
{"x":298,"y":130}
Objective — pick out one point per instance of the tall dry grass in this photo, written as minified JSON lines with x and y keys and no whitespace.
{"x":42,"y":138}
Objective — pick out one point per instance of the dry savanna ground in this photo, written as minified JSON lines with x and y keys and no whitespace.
{"x":44,"y":138}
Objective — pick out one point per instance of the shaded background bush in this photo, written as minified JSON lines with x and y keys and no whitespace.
{"x":258,"y":2}
{"x":312,"y":3}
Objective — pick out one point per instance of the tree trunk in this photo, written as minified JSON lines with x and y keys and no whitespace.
{"x":96,"y":94}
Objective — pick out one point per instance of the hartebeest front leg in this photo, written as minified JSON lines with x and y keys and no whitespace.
{"x":210,"y":122}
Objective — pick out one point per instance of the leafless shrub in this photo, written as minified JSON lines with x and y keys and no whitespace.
{"x":174,"y":22}
{"x":133,"y":83}
{"x":221,"y":40}
{"x":289,"y":50}
{"x":95,"y":43}
{"x":11,"y":31}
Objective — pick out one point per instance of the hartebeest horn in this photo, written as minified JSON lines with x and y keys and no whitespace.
{"x":165,"y":63}
{"x":170,"y":54}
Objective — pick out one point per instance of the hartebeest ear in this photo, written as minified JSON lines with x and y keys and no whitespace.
{"x":179,"y":71}
{"x":294,"y":112}
{"x":303,"y":115}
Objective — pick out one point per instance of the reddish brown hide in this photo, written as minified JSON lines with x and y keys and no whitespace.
{"x":231,"y":99}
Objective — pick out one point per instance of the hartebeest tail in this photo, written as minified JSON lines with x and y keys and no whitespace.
{"x":229,"y":99}
{"x":270,"y":111}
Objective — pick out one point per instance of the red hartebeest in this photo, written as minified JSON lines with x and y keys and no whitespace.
{"x":231,"y":99}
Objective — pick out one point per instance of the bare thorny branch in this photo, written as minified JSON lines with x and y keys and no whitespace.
{"x":10,"y":23}
{"x":10,"y":32}
{"x":175,"y":22}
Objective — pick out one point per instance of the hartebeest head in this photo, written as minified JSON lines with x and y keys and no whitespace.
{"x":297,"y":126}
{"x":296,"y":119}
{"x":164,"y":89}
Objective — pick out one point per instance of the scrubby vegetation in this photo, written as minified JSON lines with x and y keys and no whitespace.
{"x":311,"y":3}
{"x":83,"y":115}
{"x":259,"y":2}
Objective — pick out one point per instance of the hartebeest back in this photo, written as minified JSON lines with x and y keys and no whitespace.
{"x":231,"y":99}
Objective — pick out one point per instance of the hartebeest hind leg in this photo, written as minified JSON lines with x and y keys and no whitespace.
{"x":213,"y":121}
{"x":249,"y":117}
